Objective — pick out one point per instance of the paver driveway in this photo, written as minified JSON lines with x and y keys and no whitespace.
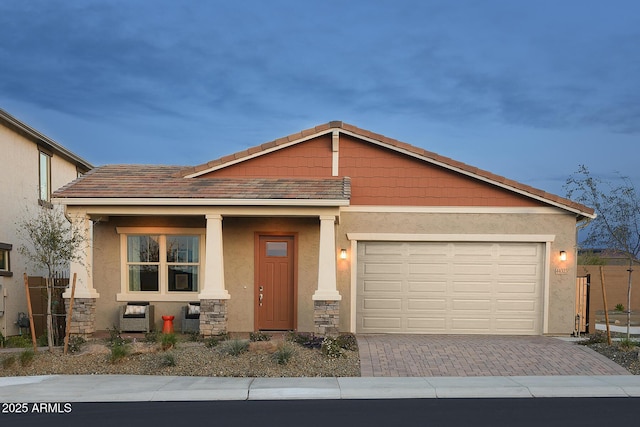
{"x":478,"y":355}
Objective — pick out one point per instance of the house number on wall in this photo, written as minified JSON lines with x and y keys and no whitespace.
{"x":562,"y":270}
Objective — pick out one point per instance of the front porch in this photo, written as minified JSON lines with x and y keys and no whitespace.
{"x":227,"y":271}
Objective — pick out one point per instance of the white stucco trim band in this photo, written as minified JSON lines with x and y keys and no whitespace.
{"x":455,"y":210}
{"x":196,"y":202}
{"x":400,"y":237}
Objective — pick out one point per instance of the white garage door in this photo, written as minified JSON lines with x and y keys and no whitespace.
{"x":449,"y":288}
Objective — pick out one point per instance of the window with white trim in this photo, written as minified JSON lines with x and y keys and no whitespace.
{"x":162,"y":263}
{"x":44,"y":185}
{"x":5,"y":264}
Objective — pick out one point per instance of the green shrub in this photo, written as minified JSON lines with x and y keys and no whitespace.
{"x":18,"y":341}
{"x":41,"y":341}
{"x":626,"y":344}
{"x":8,"y":361}
{"x":259,"y":336}
{"x":76,"y":343}
{"x":2,"y":340}
{"x":347,"y":342}
{"x":596,"y":338}
{"x":115,"y":339}
{"x":119,"y":350}
{"x":620,"y":308}
{"x":26,"y":357}
{"x":234,"y":347}
{"x":331,"y":348}
{"x":168,"y":360}
{"x":305,"y":339}
{"x":283,"y":353}
{"x":216,"y":339}
{"x":168,"y":341}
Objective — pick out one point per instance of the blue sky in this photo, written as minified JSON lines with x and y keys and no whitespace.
{"x":525,"y":89}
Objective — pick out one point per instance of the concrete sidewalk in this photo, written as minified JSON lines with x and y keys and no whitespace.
{"x":119,"y":388}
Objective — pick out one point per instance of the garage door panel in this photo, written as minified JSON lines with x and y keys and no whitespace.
{"x":471,"y":305}
{"x":518,"y":270}
{"x":370,"y":286}
{"x":426,"y":304}
{"x":431,"y":249}
{"x":384,"y":324}
{"x":514,"y":250}
{"x":383,"y":268}
{"x":429,"y":324}
{"x":427,"y":286}
{"x":382,"y":303}
{"x":518,"y":306}
{"x":382,"y":248}
{"x":431,"y":269}
{"x":515,"y":326}
{"x":482,"y":250}
{"x":472,"y":269}
{"x":466,"y":325}
{"x":447,"y":287}
{"x":471,"y":287}
{"x":517,"y":288}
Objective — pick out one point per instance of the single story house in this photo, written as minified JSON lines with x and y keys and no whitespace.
{"x":332,"y":228}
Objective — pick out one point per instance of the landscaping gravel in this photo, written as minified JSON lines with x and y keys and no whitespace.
{"x":627,"y":358}
{"x":189,"y":358}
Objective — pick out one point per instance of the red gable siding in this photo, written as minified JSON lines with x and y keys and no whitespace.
{"x":383,"y":177}
{"x":309,"y":159}
{"x":379,"y":176}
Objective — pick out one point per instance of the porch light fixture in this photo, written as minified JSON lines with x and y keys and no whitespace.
{"x":343,"y":254}
{"x":563,"y":256}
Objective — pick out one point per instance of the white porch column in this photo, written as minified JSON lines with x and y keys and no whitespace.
{"x":83,"y":268}
{"x":327,"y":284}
{"x":213,"y":287}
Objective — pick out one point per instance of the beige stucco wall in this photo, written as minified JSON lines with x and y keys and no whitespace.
{"x":18,"y":195}
{"x":238,"y":241}
{"x":561,"y":286}
{"x":239,"y":238}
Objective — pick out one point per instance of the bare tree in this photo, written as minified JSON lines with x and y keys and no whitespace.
{"x":617,"y":225}
{"x":50,"y":242}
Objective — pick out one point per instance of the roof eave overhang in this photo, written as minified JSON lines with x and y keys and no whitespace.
{"x":43,"y":140}
{"x":195,"y":202}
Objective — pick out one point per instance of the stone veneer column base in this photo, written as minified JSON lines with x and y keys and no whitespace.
{"x":83,"y":318}
{"x":326,"y":317}
{"x":213,"y":316}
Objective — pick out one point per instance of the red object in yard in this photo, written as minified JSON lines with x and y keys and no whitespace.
{"x":167,"y":326}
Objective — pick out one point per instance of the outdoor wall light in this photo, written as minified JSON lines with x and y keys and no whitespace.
{"x":563,"y":256}
{"x":343,"y":254}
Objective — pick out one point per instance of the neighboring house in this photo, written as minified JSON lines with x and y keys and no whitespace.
{"x":31,"y":165}
{"x":333,"y":228}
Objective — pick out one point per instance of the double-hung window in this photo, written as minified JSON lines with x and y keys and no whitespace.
{"x":162,"y":263}
{"x":5,"y":265}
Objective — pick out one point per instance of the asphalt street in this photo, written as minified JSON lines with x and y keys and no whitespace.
{"x":547,"y":412}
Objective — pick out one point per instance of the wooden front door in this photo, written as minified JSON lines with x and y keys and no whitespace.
{"x":275,"y":286}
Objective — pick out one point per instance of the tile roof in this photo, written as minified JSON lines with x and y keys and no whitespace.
{"x":399,"y":145}
{"x":149,"y":181}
